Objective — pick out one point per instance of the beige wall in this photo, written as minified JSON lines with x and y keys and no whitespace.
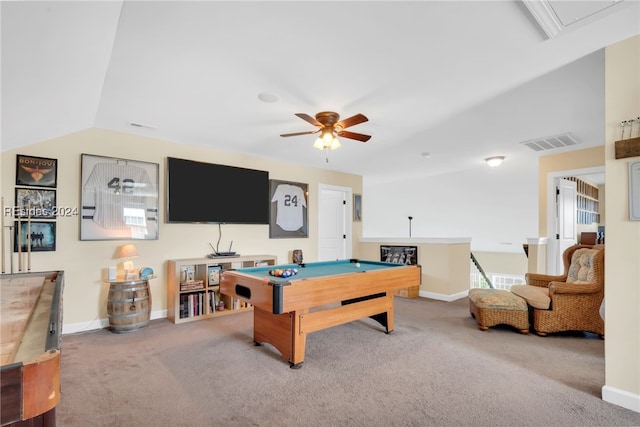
{"x":503,"y":262}
{"x":445,"y":263}
{"x":85,"y":293}
{"x":622,"y":261}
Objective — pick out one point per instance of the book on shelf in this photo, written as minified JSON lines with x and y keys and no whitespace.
{"x":192,"y":305}
{"x":193,"y":285}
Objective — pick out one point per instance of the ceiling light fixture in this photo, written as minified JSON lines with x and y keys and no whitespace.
{"x":494,"y":161}
{"x":327,"y":141}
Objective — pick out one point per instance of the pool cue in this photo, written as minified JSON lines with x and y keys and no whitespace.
{"x":29,"y":237}
{"x":2,"y":233}
{"x":19,"y":242}
{"x":11,"y":239}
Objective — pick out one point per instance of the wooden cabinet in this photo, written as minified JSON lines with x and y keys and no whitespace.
{"x":194,"y":286}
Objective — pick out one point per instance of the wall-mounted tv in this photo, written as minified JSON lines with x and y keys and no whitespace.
{"x":208,"y":192}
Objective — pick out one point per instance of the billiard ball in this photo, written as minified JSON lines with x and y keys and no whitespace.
{"x":357,"y":265}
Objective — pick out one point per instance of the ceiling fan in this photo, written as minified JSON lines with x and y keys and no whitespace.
{"x":329,"y":127}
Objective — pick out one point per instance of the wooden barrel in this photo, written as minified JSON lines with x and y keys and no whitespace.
{"x":129,"y":306}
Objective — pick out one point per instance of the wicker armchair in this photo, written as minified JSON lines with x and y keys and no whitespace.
{"x":570,"y":302}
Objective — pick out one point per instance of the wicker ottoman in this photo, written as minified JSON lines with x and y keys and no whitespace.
{"x":492,"y":307}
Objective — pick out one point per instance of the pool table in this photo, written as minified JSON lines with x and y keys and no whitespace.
{"x":319,"y":296}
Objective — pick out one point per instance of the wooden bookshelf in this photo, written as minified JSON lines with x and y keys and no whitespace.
{"x":193,"y":291}
{"x":588,"y":204}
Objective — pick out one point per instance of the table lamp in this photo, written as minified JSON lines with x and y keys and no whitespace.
{"x":124,"y":254}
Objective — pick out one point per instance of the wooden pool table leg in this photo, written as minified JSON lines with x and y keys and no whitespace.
{"x":283,"y":332}
{"x":274,"y":329}
{"x":389,"y":313}
{"x":298,"y":340}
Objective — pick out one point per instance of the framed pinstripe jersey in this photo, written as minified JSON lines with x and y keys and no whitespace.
{"x":288,"y":212}
{"x":119,"y":199}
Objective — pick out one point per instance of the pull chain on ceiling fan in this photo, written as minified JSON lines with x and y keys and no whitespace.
{"x":329,"y":128}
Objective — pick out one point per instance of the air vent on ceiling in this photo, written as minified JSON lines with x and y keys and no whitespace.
{"x":552,"y":142}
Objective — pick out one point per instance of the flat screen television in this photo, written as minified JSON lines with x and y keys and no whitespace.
{"x":213,"y":193}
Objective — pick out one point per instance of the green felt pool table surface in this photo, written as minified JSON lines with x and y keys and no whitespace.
{"x":319,"y":269}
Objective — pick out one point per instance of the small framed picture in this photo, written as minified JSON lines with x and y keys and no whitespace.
{"x":187,"y":273}
{"x":42,"y":234}
{"x":399,"y":254}
{"x":213,"y":274}
{"x":634,"y":191}
{"x":357,"y":207}
{"x":36,"y":171}
{"x":35,"y":203}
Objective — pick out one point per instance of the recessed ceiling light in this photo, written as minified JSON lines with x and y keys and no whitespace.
{"x":494,"y":161}
{"x":268,"y":97}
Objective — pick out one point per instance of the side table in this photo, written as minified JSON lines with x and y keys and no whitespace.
{"x":129,"y":305}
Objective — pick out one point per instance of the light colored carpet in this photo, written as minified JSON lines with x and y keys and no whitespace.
{"x":436,"y":369}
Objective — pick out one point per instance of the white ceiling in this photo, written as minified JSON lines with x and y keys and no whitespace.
{"x":458,"y":80}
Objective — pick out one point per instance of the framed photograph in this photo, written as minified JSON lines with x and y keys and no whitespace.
{"x":43,"y":236}
{"x":357,"y":207}
{"x":36,"y":171}
{"x":634,"y":191}
{"x":187,"y":273}
{"x":35,"y":203}
{"x":288,"y":211}
{"x":407,"y":255}
{"x":213,"y":275}
{"x":119,"y":199}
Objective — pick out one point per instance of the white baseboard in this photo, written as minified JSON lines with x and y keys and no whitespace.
{"x":75,"y":328}
{"x":443,"y":297}
{"x":621,"y":398}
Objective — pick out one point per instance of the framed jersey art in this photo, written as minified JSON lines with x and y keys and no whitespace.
{"x":119,"y":199}
{"x":288,"y":211}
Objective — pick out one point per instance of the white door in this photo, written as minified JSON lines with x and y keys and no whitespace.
{"x":566,"y":220}
{"x":334,"y":231}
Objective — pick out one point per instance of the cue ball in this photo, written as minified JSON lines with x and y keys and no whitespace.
{"x":357,"y":265}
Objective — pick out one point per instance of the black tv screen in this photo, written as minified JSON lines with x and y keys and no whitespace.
{"x":207,"y":192}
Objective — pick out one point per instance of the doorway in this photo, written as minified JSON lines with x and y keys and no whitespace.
{"x":560,"y":219}
{"x":334,"y":229}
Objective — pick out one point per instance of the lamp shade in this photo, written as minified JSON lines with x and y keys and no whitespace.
{"x":126,"y":251}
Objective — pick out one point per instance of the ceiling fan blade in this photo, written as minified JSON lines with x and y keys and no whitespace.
{"x":310,"y":119}
{"x":352,"y":135}
{"x":300,"y":133}
{"x":352,"y":121}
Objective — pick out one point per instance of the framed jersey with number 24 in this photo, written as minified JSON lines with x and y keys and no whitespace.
{"x":288,"y":211}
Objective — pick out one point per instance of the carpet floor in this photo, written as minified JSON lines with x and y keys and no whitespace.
{"x":436,"y":369}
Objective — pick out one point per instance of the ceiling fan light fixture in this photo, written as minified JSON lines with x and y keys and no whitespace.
{"x":327,"y":141}
{"x":494,"y":161}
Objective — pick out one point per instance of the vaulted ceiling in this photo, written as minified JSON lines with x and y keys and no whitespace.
{"x":444,"y":84}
